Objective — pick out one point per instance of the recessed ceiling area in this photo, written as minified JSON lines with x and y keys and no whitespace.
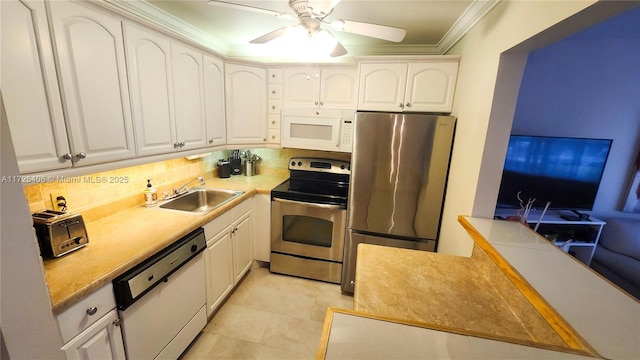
{"x":432,"y":26}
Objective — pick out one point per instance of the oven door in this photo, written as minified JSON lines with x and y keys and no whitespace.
{"x":308,"y":229}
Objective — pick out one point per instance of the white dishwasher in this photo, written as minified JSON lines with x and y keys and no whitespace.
{"x":162,"y":301}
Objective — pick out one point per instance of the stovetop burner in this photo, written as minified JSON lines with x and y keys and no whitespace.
{"x":315,"y":180}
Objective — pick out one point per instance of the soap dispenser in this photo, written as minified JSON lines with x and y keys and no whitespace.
{"x":150,"y":195}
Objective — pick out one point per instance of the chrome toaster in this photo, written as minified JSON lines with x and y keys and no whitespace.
{"x":59,"y":233}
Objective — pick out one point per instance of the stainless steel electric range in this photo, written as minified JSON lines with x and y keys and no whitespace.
{"x":308,"y":219}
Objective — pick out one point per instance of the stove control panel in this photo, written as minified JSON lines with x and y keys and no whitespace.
{"x":320,"y":165}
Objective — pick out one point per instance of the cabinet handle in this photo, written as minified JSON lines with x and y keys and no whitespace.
{"x":92,"y":310}
{"x":316,"y":102}
{"x":273,"y":76}
{"x":81,"y":155}
{"x":273,"y":91}
{"x":408,"y":105}
{"x":401,"y":105}
{"x":273,"y":137}
{"x":67,"y":156}
{"x":264,"y":139}
{"x":176,"y":145}
{"x":273,"y":122}
{"x":116,"y":322}
{"x":182,"y":144}
{"x":321,"y":103}
{"x":210,"y":141}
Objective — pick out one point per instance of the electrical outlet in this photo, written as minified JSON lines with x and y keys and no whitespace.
{"x":59,"y":201}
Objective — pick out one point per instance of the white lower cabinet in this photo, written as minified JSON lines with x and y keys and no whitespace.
{"x":102,"y":340}
{"x":262,"y":227}
{"x":228,"y":255}
{"x":241,"y":240}
{"x":91,"y":328}
{"x":218,"y":267}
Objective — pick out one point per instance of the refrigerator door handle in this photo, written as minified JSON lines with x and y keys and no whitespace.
{"x":322,"y":206}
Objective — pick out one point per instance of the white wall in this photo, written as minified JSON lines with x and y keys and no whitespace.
{"x":483,"y":120}
{"x":28,"y":327}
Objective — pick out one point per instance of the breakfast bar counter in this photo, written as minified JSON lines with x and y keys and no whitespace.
{"x":504,"y":301}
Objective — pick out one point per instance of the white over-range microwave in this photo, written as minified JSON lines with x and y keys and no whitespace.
{"x":318,"y":129}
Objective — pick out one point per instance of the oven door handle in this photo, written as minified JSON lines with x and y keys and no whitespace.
{"x":303,"y":203}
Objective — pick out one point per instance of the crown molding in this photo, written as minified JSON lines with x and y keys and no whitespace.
{"x":476,"y":11}
{"x":163,"y":21}
{"x":150,"y":15}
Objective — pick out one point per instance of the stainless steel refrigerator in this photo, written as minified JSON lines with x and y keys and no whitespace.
{"x":399,"y":170}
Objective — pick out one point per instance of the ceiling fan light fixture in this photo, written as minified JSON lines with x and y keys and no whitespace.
{"x":337,"y":24}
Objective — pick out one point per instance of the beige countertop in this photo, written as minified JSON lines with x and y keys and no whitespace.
{"x":442,"y":290}
{"x":119,"y":241}
{"x":478,"y":296}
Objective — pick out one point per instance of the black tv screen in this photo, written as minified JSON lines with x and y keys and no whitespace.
{"x":565,"y":171}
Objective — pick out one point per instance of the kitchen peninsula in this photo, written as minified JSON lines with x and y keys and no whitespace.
{"x":517,"y":295}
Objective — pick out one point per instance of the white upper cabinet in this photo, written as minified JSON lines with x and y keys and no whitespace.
{"x":167,"y":92}
{"x":214,"y":100}
{"x":382,"y":87}
{"x":339,"y":88}
{"x":30,"y":88}
{"x":331,"y":88}
{"x":246,"y":104}
{"x":93,"y":78}
{"x":149,"y":64}
{"x":188,"y":95}
{"x":426,"y":86}
{"x":430,"y":86}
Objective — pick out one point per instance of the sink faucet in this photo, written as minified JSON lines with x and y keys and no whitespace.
{"x":183,"y":189}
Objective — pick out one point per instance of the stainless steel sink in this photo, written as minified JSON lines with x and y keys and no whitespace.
{"x":201,"y":200}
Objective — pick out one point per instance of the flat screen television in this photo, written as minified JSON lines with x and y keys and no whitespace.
{"x":565,"y":171}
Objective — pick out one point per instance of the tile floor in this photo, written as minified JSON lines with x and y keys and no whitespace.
{"x":269,"y":316}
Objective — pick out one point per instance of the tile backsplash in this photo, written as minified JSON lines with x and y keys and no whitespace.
{"x":127,"y":184}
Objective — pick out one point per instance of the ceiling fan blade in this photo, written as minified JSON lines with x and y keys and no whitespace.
{"x":383,"y":32}
{"x":339,"y":50}
{"x":322,"y":8}
{"x":229,"y":5}
{"x":270,"y":36}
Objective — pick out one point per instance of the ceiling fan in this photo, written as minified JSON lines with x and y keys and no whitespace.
{"x":311,"y":14}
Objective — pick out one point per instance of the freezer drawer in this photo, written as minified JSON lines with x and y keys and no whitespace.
{"x":353,"y":238}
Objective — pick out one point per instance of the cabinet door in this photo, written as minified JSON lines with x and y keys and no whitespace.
{"x":218,"y":264}
{"x":430,"y":86}
{"x":246,"y":104}
{"x":30,"y":88}
{"x":90,"y":51}
{"x":382,"y":87}
{"x":339,"y":88}
{"x":301,"y":87}
{"x":214,"y":100}
{"x":261,"y":220}
{"x":102,"y":340}
{"x":149,"y":64}
{"x":188,"y":95}
{"x":241,"y":239}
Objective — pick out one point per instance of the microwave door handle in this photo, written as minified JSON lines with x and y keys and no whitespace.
{"x":303,"y":203}
{"x":339,"y":133}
